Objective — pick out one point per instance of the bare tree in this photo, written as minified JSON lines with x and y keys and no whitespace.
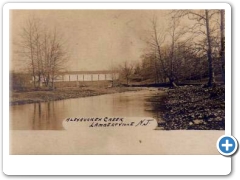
{"x":203,"y":27}
{"x":126,"y":71}
{"x":44,"y":50}
{"x":37,"y":44}
{"x":46,"y":58}
{"x":58,"y":56}
{"x":28,"y":45}
{"x":177,"y":34}
{"x":165,"y":54}
{"x":209,"y":51}
{"x":222,"y":40}
{"x":155,"y":42}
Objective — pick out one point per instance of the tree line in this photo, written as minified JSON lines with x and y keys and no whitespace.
{"x":180,"y":52}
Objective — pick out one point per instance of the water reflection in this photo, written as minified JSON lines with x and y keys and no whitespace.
{"x":49,"y":115}
{"x":44,"y":116}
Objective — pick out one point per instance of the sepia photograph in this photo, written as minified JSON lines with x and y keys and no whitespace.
{"x":116,"y":82}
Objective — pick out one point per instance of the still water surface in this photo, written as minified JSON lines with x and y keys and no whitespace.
{"x":49,"y":115}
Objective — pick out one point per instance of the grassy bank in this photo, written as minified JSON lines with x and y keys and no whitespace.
{"x":17,"y":98}
{"x":193,"y":108}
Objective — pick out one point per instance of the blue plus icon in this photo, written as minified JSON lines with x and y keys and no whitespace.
{"x":227,"y":145}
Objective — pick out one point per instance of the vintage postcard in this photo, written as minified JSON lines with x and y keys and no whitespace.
{"x":118,"y":80}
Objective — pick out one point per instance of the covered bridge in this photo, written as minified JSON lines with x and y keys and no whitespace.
{"x":87,"y":76}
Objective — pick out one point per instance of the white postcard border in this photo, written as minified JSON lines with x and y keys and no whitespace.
{"x":111,"y":164}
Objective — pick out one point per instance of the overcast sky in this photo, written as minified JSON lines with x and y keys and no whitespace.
{"x":95,"y":38}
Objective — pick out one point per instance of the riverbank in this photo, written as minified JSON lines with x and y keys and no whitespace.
{"x":18,"y":98}
{"x":190,"y":107}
